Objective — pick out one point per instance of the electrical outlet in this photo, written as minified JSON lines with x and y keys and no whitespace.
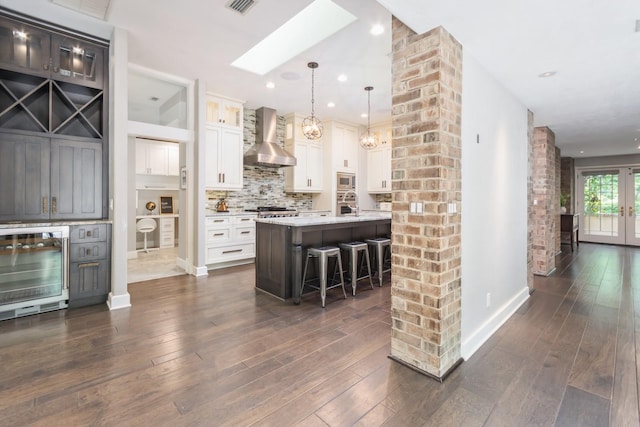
{"x":488,"y":299}
{"x":419,"y":207}
{"x":412,"y":207}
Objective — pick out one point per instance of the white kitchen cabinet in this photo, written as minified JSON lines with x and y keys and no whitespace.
{"x":224,"y":111}
{"x":341,"y":140}
{"x":379,"y":162}
{"x":306,"y":176}
{"x":157,"y":157}
{"x":167,"y":232}
{"x":231,"y":240}
{"x":223,"y":151}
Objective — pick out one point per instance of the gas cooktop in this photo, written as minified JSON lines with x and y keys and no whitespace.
{"x":273,"y":211}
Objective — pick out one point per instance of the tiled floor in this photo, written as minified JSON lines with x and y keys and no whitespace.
{"x":153,"y":265}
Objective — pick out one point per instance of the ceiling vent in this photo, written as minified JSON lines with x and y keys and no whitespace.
{"x":96,"y":8}
{"x":240,"y":6}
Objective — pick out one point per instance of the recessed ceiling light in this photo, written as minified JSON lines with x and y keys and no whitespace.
{"x":342,"y":78}
{"x":310,"y":26}
{"x":270,"y":85}
{"x":331,"y":105}
{"x":377,"y":29}
{"x":364,"y":115}
{"x":581,"y":151}
{"x":547,"y":74}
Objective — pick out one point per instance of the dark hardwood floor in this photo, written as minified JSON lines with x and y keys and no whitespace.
{"x":212,"y":352}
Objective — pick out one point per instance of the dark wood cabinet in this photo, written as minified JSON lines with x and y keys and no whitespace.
{"x":24,"y":177}
{"x":53,"y":120}
{"x":76,"y":180}
{"x":28,"y":49}
{"x":24,"y":48}
{"x":90,"y":264}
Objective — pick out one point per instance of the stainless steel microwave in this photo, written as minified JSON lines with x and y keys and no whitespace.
{"x":346,"y":181}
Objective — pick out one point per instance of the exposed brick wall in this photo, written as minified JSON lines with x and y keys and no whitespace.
{"x":567,"y":180}
{"x":556,"y":216}
{"x":530,"y":209}
{"x":427,"y":88}
{"x":545,"y":201}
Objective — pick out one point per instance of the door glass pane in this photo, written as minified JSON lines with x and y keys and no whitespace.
{"x":601,"y":208}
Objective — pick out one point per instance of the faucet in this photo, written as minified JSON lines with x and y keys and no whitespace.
{"x":344,"y":198}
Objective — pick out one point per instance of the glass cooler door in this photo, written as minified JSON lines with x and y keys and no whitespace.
{"x":33,"y":266}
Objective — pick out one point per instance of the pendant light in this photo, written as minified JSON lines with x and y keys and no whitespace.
{"x":368,"y":141}
{"x":311,"y":126}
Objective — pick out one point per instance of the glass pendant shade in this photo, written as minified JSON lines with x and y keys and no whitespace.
{"x":368,"y":141}
{"x":311,"y":126}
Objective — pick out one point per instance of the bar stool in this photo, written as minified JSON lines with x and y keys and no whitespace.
{"x":381,"y":248}
{"x":354,"y":249}
{"x":322,"y":255}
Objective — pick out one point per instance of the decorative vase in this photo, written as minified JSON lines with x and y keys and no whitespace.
{"x":563,"y":209}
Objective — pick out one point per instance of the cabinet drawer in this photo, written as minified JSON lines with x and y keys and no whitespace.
{"x":218,"y":235}
{"x":230,"y":253}
{"x":218,"y":220}
{"x":88,"y":279}
{"x":247,"y":232}
{"x":167,"y":240}
{"x":87,"y":251}
{"x":244,"y":220}
{"x":167,"y":224}
{"x":88,"y":233}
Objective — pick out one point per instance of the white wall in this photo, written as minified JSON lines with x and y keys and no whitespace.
{"x":494,"y":205}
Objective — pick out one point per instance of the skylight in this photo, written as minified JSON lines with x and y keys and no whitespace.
{"x":310,"y":26}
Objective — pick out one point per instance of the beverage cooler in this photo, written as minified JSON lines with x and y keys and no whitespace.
{"x":33,"y":270}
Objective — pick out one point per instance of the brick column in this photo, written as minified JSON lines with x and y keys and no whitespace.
{"x":426,"y":311}
{"x":544,"y":200}
{"x":530,"y":209}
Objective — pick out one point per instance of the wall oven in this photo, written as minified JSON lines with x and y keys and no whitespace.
{"x":34,"y":273}
{"x":346,"y":182}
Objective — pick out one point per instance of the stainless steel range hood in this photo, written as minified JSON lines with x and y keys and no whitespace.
{"x":267,"y":151}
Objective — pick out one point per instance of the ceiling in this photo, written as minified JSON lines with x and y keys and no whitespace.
{"x":592,"y":103}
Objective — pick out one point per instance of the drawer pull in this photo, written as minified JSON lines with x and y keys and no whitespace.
{"x":245,"y":232}
{"x":218,"y":220}
{"x":245,"y":219}
{"x":219,"y":234}
{"x":89,"y":265}
{"x":232,"y":251}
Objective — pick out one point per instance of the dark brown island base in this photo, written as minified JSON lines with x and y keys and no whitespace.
{"x":282,"y":245}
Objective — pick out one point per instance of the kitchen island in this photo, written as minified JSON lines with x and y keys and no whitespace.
{"x":282,"y":245}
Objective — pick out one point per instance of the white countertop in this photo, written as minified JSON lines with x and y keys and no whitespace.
{"x":297,"y":221}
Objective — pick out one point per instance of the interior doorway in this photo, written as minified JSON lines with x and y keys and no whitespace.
{"x":608,"y":203}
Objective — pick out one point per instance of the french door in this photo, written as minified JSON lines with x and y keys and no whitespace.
{"x":608,"y":202}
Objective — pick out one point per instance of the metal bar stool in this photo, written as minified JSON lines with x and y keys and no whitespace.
{"x":381,"y":248}
{"x":354,"y":249}
{"x":322,"y":255}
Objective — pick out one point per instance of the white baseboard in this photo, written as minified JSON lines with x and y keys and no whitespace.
{"x":182,"y":263}
{"x":471,"y":344}
{"x":116,"y":302}
{"x":132,"y":254}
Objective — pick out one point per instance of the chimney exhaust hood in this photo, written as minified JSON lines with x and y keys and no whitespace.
{"x":267,"y":151}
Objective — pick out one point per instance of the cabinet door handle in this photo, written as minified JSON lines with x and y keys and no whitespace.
{"x":232,"y":251}
{"x":54,"y":205}
{"x":621,"y":210}
{"x":56,"y":69}
{"x":630,"y":210}
{"x":223,"y":177}
{"x":89,"y":265}
{"x":45,"y":208}
{"x":45,"y":66}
